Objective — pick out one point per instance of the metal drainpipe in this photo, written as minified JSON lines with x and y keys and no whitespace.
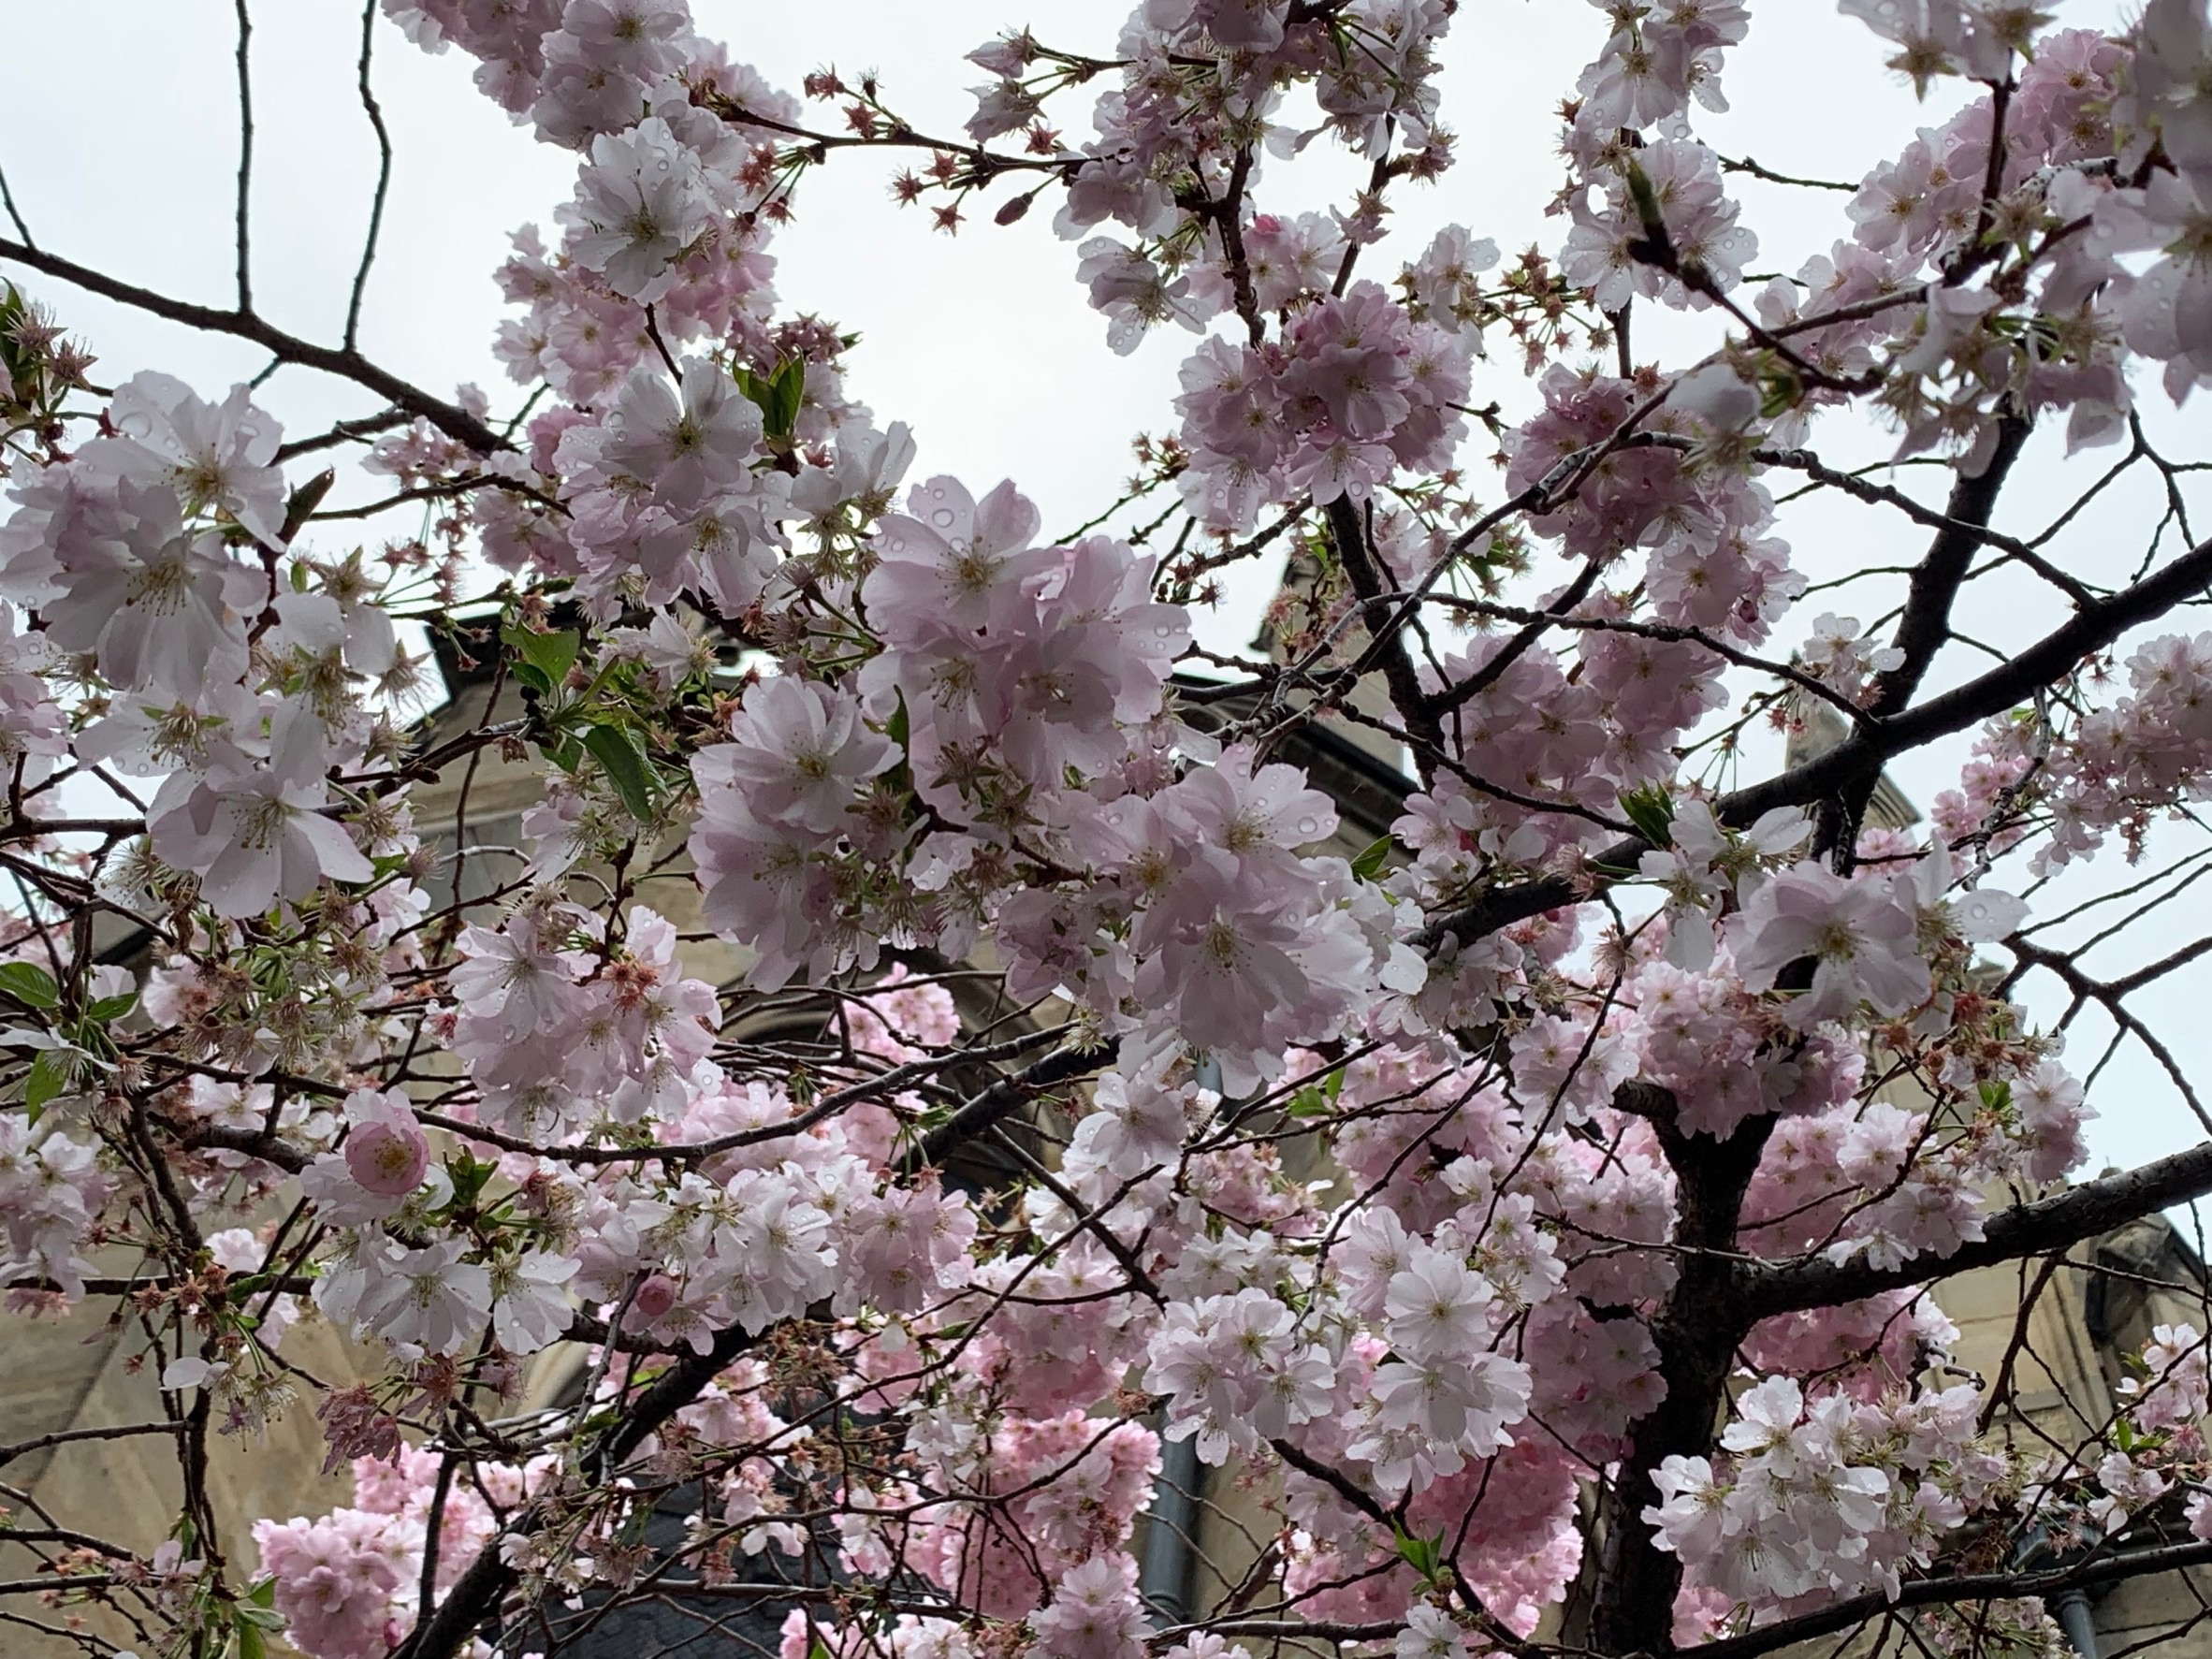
{"x":2073,"y":1610}
{"x":2069,"y":1607}
{"x":1164,"y":1578}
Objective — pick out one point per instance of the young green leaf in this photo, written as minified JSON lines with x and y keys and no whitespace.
{"x":1650,"y":808}
{"x":50,"y":1077}
{"x":30,"y":985}
{"x":778,"y":395}
{"x":1425,"y":1556}
{"x":552,"y":655}
{"x":1372,"y":859}
{"x":113,"y":1008}
{"x":786,"y":392}
{"x":626,"y":766}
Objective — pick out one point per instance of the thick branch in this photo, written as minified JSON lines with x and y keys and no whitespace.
{"x":990,"y":1106}
{"x":1966,"y":1587}
{"x":1925,"y":627}
{"x":2046,"y":1224}
{"x":1697,"y":1332}
{"x":2048,"y":660}
{"x":454,"y":421}
{"x":1422,"y":726}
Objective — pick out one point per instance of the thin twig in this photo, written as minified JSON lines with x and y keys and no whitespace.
{"x":1754,"y":169}
{"x":14,"y":218}
{"x":245,"y":158}
{"x":383,"y":175}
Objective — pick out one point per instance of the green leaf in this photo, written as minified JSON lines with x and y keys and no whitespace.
{"x":1650,"y":808}
{"x":1308,"y":1102}
{"x":469,"y":1178}
{"x":778,"y":395}
{"x":113,"y":1008}
{"x":299,"y":508}
{"x":32,"y":986}
{"x":50,"y":1077}
{"x":626,"y":766}
{"x":1779,"y":392}
{"x":551,"y":654}
{"x":530,"y":674}
{"x":787,"y":392}
{"x":252,"y":1644}
{"x":1646,"y":200}
{"x":1425,"y":1556}
{"x":1370,"y":863}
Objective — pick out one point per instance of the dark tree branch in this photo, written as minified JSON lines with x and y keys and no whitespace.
{"x":2056,"y":1223}
{"x":347,"y":364}
{"x":2052,"y":658}
{"x":1752,"y":170}
{"x":1925,"y":624}
{"x":1657,"y":631}
{"x":994,"y":1104}
{"x":1389,"y":641}
{"x":1697,"y":1332}
{"x":245,"y":158}
{"x":1805,"y":462}
{"x":383,"y":175}
{"x":14,"y":218}
{"x":476,"y":1594}
{"x":1965,"y":1586}
{"x":1925,"y":627}
{"x":346,"y":431}
{"x":1531,"y":630}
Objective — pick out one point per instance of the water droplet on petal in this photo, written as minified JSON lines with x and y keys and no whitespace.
{"x":943,"y":517}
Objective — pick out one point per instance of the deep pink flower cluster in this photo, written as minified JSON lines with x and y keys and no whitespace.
{"x":1355,"y":391}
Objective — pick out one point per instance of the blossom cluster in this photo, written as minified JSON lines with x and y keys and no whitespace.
{"x":1823,"y":1495}
{"x":927,"y":1058}
{"x":1354,"y":391}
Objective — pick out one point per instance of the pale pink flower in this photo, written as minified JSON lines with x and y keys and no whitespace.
{"x":1861,"y":940}
{"x":387,"y":1152}
{"x":255,"y":832}
{"x":640,"y":203}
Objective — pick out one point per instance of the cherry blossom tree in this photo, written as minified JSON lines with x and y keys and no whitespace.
{"x":1541,"y":1211}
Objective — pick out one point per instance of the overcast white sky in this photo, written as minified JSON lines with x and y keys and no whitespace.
{"x":122,"y":153}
